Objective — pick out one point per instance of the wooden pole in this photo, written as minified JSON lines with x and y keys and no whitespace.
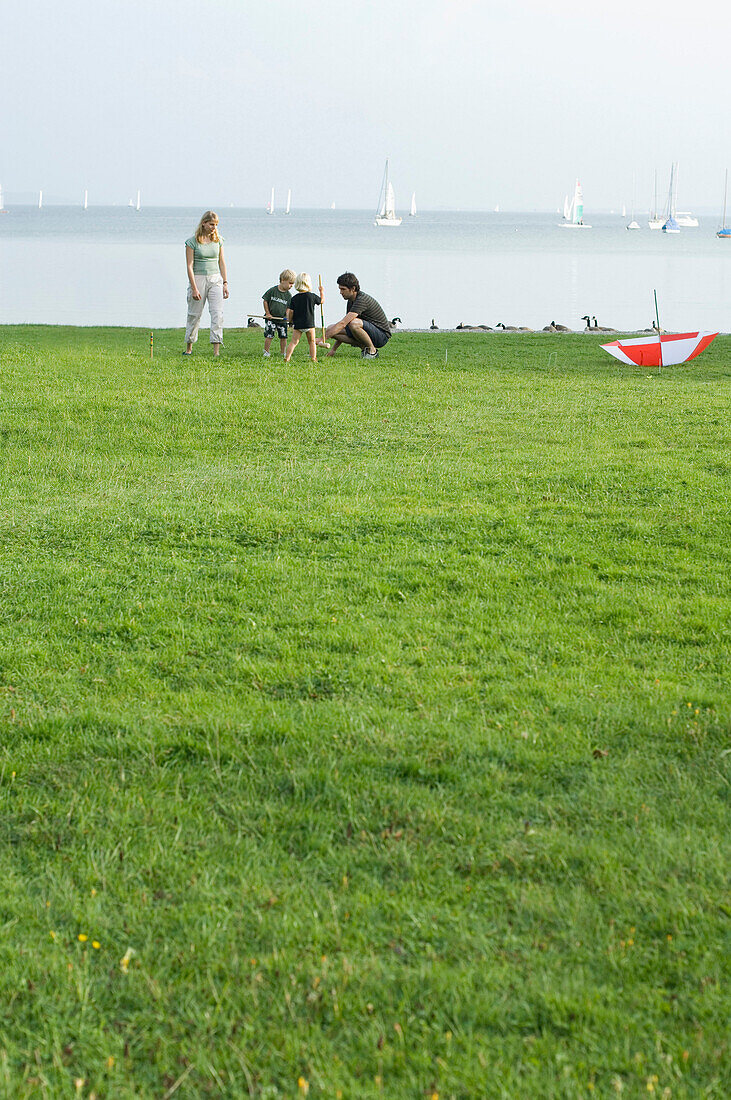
{"x":657,"y":320}
{"x":323,"y":344}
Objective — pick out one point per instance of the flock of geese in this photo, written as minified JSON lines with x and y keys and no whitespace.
{"x":592,"y":325}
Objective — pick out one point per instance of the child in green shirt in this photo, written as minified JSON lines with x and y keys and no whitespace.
{"x":276,"y":303}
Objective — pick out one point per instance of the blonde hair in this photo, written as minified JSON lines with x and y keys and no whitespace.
{"x":287,"y":274}
{"x":303,"y":282}
{"x":209,"y":216}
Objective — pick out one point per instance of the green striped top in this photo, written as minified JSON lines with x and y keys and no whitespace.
{"x":205,"y":255}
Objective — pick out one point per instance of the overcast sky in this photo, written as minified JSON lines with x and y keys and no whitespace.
{"x":476,"y":103}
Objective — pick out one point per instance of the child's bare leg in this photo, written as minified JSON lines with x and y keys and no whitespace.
{"x":294,"y":341}
{"x":311,"y":341}
{"x":282,"y":344}
{"x":267,"y":343}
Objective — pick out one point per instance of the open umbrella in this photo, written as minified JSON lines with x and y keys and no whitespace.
{"x":665,"y":351}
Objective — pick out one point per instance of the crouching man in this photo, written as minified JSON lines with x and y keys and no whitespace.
{"x":364,"y":326}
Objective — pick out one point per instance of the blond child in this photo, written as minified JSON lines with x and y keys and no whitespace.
{"x":302,"y":315}
{"x":276,"y":302}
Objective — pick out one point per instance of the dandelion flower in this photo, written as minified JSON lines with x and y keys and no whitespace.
{"x":95,"y":944}
{"x":303,"y":1085}
{"x":83,"y":937}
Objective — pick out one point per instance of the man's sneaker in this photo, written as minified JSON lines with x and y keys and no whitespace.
{"x":366,"y":354}
{"x":267,"y":355}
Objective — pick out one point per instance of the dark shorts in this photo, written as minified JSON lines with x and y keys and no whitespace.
{"x":377,"y":335}
{"x":277,"y":327}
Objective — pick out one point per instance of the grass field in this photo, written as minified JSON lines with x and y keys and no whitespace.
{"x":364,"y":726}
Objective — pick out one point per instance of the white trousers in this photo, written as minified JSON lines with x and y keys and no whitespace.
{"x":210,"y":288}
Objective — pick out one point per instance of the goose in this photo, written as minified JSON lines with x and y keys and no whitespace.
{"x":601,"y":328}
{"x":434,"y":327}
{"x":395,"y":321}
{"x":513,"y":328}
{"x":560,"y":328}
{"x":595,"y":327}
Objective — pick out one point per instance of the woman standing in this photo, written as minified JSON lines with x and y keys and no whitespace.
{"x":207,"y":281}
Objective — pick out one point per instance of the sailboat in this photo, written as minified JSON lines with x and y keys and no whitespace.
{"x":270,"y":204}
{"x":289,"y":201}
{"x":2,"y":204}
{"x":671,"y":225}
{"x":40,"y":200}
{"x":412,"y":211}
{"x":573,"y":212}
{"x":655,"y":222}
{"x":86,"y":199}
{"x":724,"y":232}
{"x":387,"y":207}
{"x":138,"y":203}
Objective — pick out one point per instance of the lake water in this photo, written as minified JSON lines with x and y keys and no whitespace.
{"x":119,"y":266}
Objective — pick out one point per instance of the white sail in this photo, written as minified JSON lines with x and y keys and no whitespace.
{"x":86,"y":199}
{"x":40,"y":200}
{"x":138,"y":204}
{"x":578,"y":204}
{"x":387,"y":208}
{"x":566,"y":208}
{"x":412,"y":212}
{"x":270,"y":204}
{"x":670,"y":224}
{"x":574,"y":213}
{"x":2,"y":204}
{"x":289,"y":201}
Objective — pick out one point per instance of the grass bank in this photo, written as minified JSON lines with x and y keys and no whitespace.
{"x":364,"y":728}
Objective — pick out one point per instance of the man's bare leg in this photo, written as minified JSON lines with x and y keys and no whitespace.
{"x":361,"y":339}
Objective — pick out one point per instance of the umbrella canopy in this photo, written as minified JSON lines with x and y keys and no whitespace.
{"x":648,"y":351}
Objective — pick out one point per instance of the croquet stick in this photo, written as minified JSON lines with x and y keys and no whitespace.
{"x":323,"y":342}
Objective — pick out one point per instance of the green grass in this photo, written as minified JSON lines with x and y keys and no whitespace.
{"x":372,"y":719}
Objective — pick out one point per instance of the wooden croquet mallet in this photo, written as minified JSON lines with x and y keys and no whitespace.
{"x":323,"y":343}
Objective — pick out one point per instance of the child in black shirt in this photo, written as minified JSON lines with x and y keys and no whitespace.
{"x":301,"y":313}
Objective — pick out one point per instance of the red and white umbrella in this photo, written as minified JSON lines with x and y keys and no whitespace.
{"x":649,"y":351}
